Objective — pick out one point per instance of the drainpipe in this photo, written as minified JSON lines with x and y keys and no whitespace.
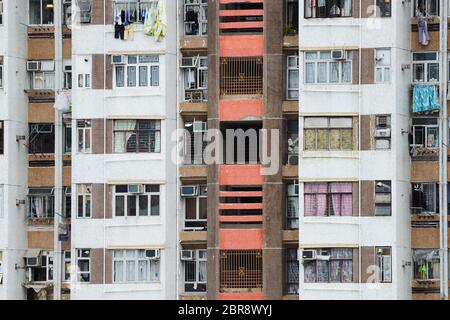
{"x":58,"y":190}
{"x":443,"y":151}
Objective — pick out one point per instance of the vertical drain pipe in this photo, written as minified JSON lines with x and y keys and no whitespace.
{"x":58,"y":190}
{"x":443,"y":171}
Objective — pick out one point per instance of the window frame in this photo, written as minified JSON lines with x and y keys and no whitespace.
{"x":83,"y":257}
{"x":329,"y":210}
{"x":380,"y":260}
{"x":292,"y":222}
{"x":328,"y":62}
{"x":84,"y":130}
{"x":328,"y":129}
{"x":292,"y":261}
{"x":383,"y":69}
{"x":126,"y":195}
{"x":139,"y":257}
{"x":387,"y":127}
{"x":427,"y":63}
{"x":67,"y":266}
{"x":426,"y":132}
{"x":382,"y":11}
{"x":48,"y":200}
{"x":202,"y":194}
{"x":41,"y":13}
{"x":136,"y":132}
{"x":196,"y":262}
{"x":329,"y":252}
{"x":2,"y":137}
{"x":314,"y":15}
{"x":292,"y":69}
{"x":152,"y":65}
{"x":199,"y":70}
{"x":380,"y":204}
{"x":126,"y":5}
{"x":2,"y":77}
{"x":429,"y":264}
{"x":1,"y":17}
{"x":84,"y":197}
{"x":419,"y":187}
{"x":427,"y":4}
{"x":202,"y":11}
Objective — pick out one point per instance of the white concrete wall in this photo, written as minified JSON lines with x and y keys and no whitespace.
{"x":392,"y":165}
{"x":13,"y":165}
{"x":157,"y":103}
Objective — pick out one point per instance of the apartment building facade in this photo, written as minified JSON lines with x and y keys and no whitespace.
{"x":112,"y":181}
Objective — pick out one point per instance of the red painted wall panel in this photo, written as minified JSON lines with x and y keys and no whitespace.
{"x":240,"y":175}
{"x":240,"y":239}
{"x":241,"y":296}
{"x":237,"y":110}
{"x":242,"y":46}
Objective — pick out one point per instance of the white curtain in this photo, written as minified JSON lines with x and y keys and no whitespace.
{"x":123,"y":130}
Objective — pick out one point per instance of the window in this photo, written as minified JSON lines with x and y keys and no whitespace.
{"x":383,"y":198}
{"x":241,"y":75}
{"x":84,"y":132}
{"x":67,"y":263}
{"x":195,"y":209}
{"x":292,"y":207}
{"x":426,"y":8}
{"x":134,"y":266}
{"x":42,"y":138}
{"x":43,"y":272}
{"x":383,"y":132}
{"x":41,"y":12}
{"x":137,"y":136}
{"x":384,"y":8}
{"x":139,"y":7}
{"x":291,"y":19}
{"x":85,"y":10}
{"x":426,"y":264}
{"x":195,"y":78}
{"x":292,"y":78}
{"x":425,"y":67}
{"x":84,"y":200}
{"x":292,"y":142}
{"x":67,"y":203}
{"x":136,"y":200}
{"x":321,"y":68}
{"x":67,"y":76}
{"x":382,"y":65}
{"x":426,"y":133}
{"x":425,"y":198}
{"x":84,"y":80}
{"x":2,"y":190}
{"x":195,"y":142}
{"x":328,"y":134}
{"x":138,"y":71}
{"x":84,"y":265}
{"x":2,"y":137}
{"x":40,"y":203}
{"x":328,"y":8}
{"x":42,"y":74}
{"x":1,"y":68}
{"x":328,"y":199}
{"x":67,"y":140}
{"x":384,"y":264}
{"x":1,"y":13}
{"x":67,"y":12}
{"x":241,"y":269}
{"x":195,"y":268}
{"x":196,"y":17}
{"x":292,"y":270}
{"x":330,"y":266}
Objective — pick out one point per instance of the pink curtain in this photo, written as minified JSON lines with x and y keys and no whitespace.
{"x":342,"y":199}
{"x":315,"y":199}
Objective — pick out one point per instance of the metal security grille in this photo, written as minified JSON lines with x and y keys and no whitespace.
{"x":241,"y":269}
{"x":241,"y":75}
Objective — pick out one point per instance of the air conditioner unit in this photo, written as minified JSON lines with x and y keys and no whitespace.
{"x":119,"y":59}
{"x":187,"y":255}
{"x":308,"y":255}
{"x":34,"y":65}
{"x":188,"y":62}
{"x":200,"y":126}
{"x":383,"y":133}
{"x":136,"y":188}
{"x":189,"y":191}
{"x":152,"y":254}
{"x":338,"y":54}
{"x":293,"y":159}
{"x":32,"y":262}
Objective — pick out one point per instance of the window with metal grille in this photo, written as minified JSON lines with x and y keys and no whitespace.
{"x":292,"y":271}
{"x":292,"y":207}
{"x":241,"y":75}
{"x":241,"y":269}
{"x":195,"y":142}
{"x":42,"y":138}
{"x":330,"y":266}
{"x":137,"y":136}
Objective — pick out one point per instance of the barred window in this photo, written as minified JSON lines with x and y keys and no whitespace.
{"x":137,"y":136}
{"x":330,"y":265}
{"x":241,"y":269}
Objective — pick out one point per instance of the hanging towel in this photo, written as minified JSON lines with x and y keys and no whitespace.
{"x":161,"y":21}
{"x":424,"y":36}
{"x":425,"y":98}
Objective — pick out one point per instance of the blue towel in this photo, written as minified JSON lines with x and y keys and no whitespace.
{"x":425,"y":98}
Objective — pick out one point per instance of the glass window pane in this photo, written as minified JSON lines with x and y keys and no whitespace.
{"x":155,"y":205}
{"x":120,"y":206}
{"x":143,"y":205}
